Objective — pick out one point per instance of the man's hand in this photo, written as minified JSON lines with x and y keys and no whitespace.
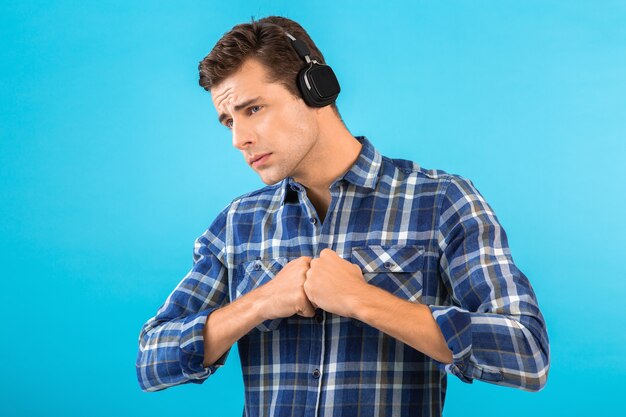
{"x":284,"y":296}
{"x":334,"y":284}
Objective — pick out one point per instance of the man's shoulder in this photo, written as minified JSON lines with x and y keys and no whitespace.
{"x":412,"y":168}
{"x":240,"y":203}
{"x":268,"y":192}
{"x":435,"y":181}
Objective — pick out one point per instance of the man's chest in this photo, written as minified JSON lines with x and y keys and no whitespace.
{"x":392,"y":241}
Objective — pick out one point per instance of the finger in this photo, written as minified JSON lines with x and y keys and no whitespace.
{"x":307,"y":310}
{"x":312,"y":305}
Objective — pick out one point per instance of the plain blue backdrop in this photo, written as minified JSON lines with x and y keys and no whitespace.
{"x":112,"y":163}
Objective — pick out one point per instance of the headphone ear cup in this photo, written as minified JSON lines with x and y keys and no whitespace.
{"x":318,"y":85}
{"x":307,"y":96}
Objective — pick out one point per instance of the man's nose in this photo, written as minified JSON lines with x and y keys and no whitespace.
{"x":242,"y":135}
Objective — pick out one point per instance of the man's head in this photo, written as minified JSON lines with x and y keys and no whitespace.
{"x":264,"y":40}
{"x":255,"y":60}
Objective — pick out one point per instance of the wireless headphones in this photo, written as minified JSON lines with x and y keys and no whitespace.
{"x":317,"y":82}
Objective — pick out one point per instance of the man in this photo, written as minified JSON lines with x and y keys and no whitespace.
{"x":353,"y":282}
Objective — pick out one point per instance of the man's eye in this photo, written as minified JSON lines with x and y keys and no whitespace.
{"x":253,"y":110}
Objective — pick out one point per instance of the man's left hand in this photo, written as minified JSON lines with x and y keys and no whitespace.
{"x":334,"y":284}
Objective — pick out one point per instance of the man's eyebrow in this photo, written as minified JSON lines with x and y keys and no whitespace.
{"x":239,"y":107}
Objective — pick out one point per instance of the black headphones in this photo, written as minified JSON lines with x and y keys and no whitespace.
{"x":317,"y":82}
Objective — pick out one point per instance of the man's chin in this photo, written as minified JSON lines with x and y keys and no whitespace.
{"x":271,"y":180}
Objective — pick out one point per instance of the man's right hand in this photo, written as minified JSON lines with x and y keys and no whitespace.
{"x":284,"y":295}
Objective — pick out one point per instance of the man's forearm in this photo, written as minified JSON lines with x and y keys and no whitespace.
{"x":410,"y":323}
{"x":228,"y":324}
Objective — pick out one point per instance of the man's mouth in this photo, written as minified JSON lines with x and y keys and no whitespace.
{"x":260,"y":160}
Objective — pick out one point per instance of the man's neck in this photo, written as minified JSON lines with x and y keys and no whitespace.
{"x":333,"y":155}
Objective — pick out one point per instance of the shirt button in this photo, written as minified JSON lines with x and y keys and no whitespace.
{"x":316,"y":373}
{"x":313,"y":220}
{"x":319,"y":318}
{"x":388,"y":265}
{"x":257,"y":266}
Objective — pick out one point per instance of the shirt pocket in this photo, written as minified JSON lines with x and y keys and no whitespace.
{"x":396,"y":269}
{"x":256,"y":273}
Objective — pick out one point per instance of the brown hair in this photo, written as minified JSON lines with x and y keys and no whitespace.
{"x":266,"y":43}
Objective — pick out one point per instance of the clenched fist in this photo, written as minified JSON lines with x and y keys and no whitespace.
{"x":284,"y":296}
{"x":334,"y":284}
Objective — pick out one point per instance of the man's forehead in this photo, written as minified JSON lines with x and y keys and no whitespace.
{"x":224,"y":93}
{"x":251,"y":74}
{"x":234,"y":97}
{"x":232,"y":92}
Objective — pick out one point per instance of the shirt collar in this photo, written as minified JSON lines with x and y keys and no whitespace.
{"x":364,"y":172}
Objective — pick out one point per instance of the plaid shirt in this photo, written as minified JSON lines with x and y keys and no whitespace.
{"x":423,"y":235}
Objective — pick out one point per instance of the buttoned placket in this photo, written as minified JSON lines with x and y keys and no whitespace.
{"x":321,"y":239}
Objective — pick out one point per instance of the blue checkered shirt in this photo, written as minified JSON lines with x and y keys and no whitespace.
{"x":423,"y":235}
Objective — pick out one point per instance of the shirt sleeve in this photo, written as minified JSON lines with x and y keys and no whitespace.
{"x":493,"y":326}
{"x":171,"y":344}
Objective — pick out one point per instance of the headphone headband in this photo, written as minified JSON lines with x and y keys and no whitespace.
{"x":317,"y":82}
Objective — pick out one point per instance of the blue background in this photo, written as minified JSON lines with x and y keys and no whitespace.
{"x":112,"y":163}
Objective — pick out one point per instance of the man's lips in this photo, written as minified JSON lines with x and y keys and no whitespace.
{"x":259,"y":159}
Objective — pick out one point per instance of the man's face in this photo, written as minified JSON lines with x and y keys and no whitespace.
{"x":272,"y":121}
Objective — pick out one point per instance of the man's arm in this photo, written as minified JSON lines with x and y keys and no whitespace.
{"x":492,"y":330}
{"x":283,"y":296}
{"x":171,"y":348}
{"x":494,"y":327}
{"x":408,"y":322}
{"x":337,"y":285}
{"x":228,"y":324}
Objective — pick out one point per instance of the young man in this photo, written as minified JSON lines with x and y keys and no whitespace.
{"x":352,"y":282}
